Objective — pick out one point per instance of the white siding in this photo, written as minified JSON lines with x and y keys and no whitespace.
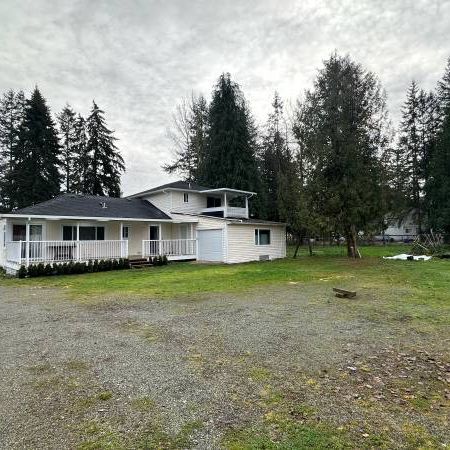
{"x":242,"y":247}
{"x":195,"y":205}
{"x":162,"y":200}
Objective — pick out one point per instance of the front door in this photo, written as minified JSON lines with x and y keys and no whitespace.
{"x":154,"y":232}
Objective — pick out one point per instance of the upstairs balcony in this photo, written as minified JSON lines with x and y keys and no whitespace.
{"x":227,"y":203}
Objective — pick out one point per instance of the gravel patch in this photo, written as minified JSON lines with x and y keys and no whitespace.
{"x":180,"y":373}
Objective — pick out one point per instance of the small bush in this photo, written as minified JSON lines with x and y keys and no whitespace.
{"x":165,"y":261}
{"x":22,"y":272}
{"x":40,"y":270}
{"x":48,"y":270}
{"x":95,"y":266}
{"x":126,"y":263}
{"x":115,"y":264}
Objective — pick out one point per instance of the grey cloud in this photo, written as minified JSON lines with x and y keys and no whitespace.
{"x":137,"y":58}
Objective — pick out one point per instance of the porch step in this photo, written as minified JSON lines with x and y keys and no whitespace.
{"x":138,"y":263}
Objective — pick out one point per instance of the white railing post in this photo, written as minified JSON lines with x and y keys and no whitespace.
{"x":27,"y":245}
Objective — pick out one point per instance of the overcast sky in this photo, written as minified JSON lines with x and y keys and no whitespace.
{"x":138,"y":58}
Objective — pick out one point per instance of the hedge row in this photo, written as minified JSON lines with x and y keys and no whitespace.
{"x":39,"y":270}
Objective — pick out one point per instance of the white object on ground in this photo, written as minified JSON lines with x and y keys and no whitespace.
{"x":404,"y":257}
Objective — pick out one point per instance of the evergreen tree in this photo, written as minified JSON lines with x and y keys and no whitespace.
{"x":437,"y":185}
{"x":68,"y":138}
{"x":106,"y":163}
{"x":35,"y":176}
{"x":189,"y":137}
{"x":277,"y":166}
{"x":343,"y":136}
{"x":81,"y":160}
{"x":230,"y":159}
{"x":12,"y":106}
{"x":417,"y":132}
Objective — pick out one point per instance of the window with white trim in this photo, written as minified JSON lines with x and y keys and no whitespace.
{"x":86,"y":233}
{"x":186,"y":197}
{"x":262,"y":237}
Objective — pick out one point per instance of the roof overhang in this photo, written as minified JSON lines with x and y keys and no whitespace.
{"x":99,"y":219}
{"x":228,"y":190}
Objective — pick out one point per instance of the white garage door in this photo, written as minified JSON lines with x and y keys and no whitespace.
{"x":210,"y":245}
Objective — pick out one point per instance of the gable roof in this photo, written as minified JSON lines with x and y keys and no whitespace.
{"x":177,"y":185}
{"x":187,"y":186}
{"x":68,"y":205}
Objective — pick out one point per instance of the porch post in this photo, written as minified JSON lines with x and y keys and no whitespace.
{"x":225,"y":211}
{"x":246,"y":206}
{"x":27,"y":244}
{"x":78,"y":241}
{"x":121,"y":239}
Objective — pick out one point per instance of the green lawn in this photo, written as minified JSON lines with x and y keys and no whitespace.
{"x":426,"y":283}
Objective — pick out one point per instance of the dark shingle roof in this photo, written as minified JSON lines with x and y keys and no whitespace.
{"x":91,"y":206}
{"x":183,"y":185}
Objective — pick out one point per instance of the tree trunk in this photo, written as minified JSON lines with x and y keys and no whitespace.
{"x":352,"y":251}
{"x":310,"y":247}
{"x":299,"y":241}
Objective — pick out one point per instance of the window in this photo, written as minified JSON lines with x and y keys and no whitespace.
{"x":86,"y":233}
{"x":69,"y":233}
{"x":19,"y":232}
{"x":213,"y":202}
{"x":262,"y":237}
{"x":125,"y":232}
{"x":186,"y":197}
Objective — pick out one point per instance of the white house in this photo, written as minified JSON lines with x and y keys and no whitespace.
{"x":180,"y":220}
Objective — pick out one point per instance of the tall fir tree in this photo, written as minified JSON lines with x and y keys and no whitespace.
{"x":68,"y":139}
{"x":35,"y":176}
{"x":417,"y":138}
{"x":106,"y":163}
{"x":189,"y":133}
{"x":343,"y":135}
{"x":81,"y":159}
{"x":277,"y":165}
{"x":437,"y":185}
{"x":230,"y":159}
{"x":12,"y":107}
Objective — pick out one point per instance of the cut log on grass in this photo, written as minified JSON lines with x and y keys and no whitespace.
{"x":343,"y":293}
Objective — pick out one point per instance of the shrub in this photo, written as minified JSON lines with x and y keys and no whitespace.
{"x":95,"y":266}
{"x":165,"y":261}
{"x":108,"y":264}
{"x":115,"y":264}
{"x":32,"y":271}
{"x":89,"y":267}
{"x":48,"y":270}
{"x":126,"y":263}
{"x":22,"y":272}
{"x":40,"y":270}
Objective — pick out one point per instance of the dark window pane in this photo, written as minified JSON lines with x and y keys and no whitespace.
{"x":100,"y":233}
{"x":213,"y":202}
{"x":19,"y":232}
{"x":256,"y":237}
{"x":69,"y":234}
{"x":87,"y":233}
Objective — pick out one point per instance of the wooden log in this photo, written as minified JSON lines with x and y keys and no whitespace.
{"x":343,"y":293}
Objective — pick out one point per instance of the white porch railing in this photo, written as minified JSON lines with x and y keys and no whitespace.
{"x":234,"y":211}
{"x":33,"y":252}
{"x":173,"y":247}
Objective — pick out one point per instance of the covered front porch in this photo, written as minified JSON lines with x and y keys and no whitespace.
{"x":47,"y":241}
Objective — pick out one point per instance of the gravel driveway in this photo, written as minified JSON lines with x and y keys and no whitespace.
{"x":182,"y":373}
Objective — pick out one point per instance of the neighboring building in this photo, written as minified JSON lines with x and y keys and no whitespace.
{"x":401,"y":228}
{"x":180,"y":220}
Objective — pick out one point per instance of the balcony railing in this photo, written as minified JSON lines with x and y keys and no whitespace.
{"x":170,"y":248}
{"x":229,"y":211}
{"x":32,"y":252}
